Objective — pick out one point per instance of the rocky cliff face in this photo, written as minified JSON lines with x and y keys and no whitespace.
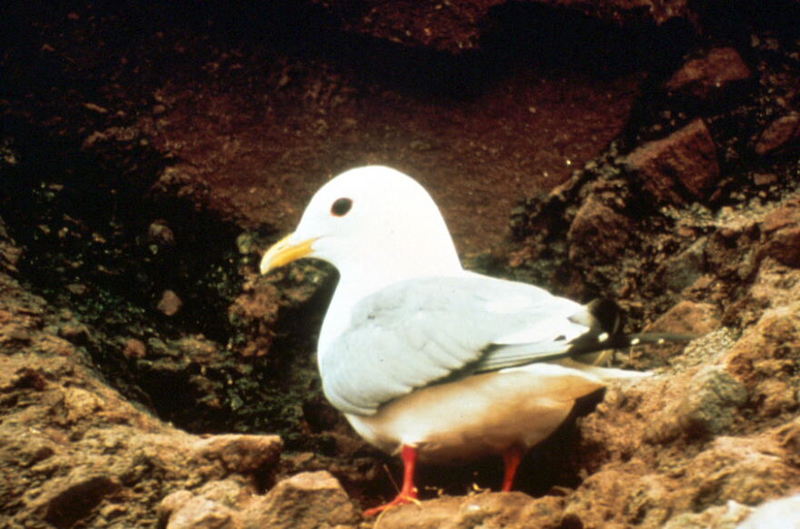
{"x":645,"y":151}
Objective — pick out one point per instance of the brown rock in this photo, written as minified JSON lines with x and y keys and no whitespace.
{"x":688,"y":317}
{"x":202,"y":513}
{"x":768,"y":353}
{"x":682,"y":164}
{"x":598,"y":229}
{"x":170,"y":303}
{"x":704,"y":407}
{"x":134,"y":348}
{"x":682,"y":270}
{"x":779,"y":134}
{"x":240,"y":453}
{"x":308,"y":500}
{"x":719,"y":517}
{"x":160,"y":233}
{"x":783,"y":245}
{"x":706,"y":75}
{"x":74,"y":498}
{"x":492,"y":510}
{"x":748,"y":471}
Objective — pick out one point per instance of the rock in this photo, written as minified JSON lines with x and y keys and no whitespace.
{"x":748,"y":471}
{"x":708,"y":407}
{"x":170,"y":303}
{"x":134,"y":348}
{"x":702,"y":408}
{"x":74,"y":498}
{"x":598,"y":229}
{"x":489,"y":510}
{"x":171,"y":504}
{"x":682,"y":270}
{"x":777,"y":514}
{"x":716,"y":517}
{"x":779,"y":134}
{"x":160,"y":233}
{"x":781,"y":235}
{"x":240,"y":453}
{"x":688,"y":317}
{"x":679,"y":167}
{"x":308,"y":500}
{"x":765,"y":357}
{"x":707,"y":75}
{"x":201,"y":513}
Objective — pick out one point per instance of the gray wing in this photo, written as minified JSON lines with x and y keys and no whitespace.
{"x":418,"y":332}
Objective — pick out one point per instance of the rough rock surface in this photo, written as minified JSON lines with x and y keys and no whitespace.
{"x":682,"y":165}
{"x":644,"y":150}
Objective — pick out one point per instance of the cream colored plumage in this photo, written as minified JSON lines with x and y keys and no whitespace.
{"x":425,"y":358}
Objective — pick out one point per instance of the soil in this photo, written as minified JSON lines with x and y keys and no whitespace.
{"x":643,"y":151}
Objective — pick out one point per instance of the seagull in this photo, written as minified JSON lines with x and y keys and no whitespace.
{"x":424,"y":358}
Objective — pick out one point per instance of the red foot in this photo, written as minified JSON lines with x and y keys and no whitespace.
{"x":400,"y":499}
{"x":408,"y":493}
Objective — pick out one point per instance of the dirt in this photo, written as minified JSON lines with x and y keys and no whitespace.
{"x":646,"y":152}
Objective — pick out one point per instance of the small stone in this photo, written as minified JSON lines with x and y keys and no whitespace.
{"x":779,"y":134}
{"x":77,"y":289}
{"x":160,"y":233}
{"x":709,"y":74}
{"x":76,"y":333}
{"x":304,"y":501}
{"x":708,"y":406}
{"x":172,"y":503}
{"x":134,"y":348}
{"x":785,"y":246}
{"x":74,"y":498}
{"x":241,"y":453}
{"x":684,"y":163}
{"x":202,"y":513}
{"x":170,"y":303}
{"x":764,"y":179}
{"x":680,"y":271}
{"x":688,"y":317}
{"x":598,"y":229}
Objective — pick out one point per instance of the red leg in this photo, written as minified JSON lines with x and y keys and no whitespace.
{"x":408,"y":493}
{"x":511,"y":459}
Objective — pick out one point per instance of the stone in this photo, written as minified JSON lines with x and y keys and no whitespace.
{"x":688,"y":317}
{"x":202,"y":513}
{"x":170,"y":303}
{"x":708,"y":407}
{"x":707,"y":75}
{"x":779,"y":134}
{"x":598,"y":229}
{"x":783,"y":245}
{"x":719,"y":517}
{"x":240,"y":453}
{"x":160,"y":233}
{"x":74,"y":498}
{"x":308,"y":500}
{"x":134,"y":348}
{"x":490,"y":510}
{"x":747,"y":471}
{"x":679,"y":167}
{"x":680,"y":271}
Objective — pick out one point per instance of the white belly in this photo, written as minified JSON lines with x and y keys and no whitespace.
{"x":479,"y":415}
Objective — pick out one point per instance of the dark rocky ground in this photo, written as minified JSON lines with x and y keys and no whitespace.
{"x":645,"y":151}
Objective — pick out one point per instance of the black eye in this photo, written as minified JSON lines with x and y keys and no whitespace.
{"x":341,"y":207}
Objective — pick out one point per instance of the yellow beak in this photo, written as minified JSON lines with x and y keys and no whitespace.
{"x":284,"y":252}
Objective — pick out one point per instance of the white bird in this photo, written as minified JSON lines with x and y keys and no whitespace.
{"x":427,"y":359}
